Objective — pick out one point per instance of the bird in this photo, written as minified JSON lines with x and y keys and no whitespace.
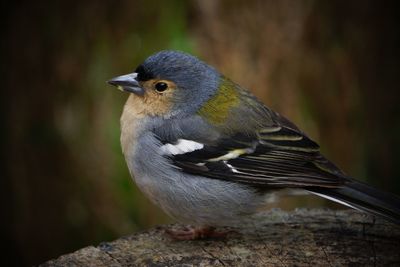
{"x":208,"y":152}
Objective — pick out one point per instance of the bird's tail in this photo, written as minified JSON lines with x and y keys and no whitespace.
{"x":365,"y":198}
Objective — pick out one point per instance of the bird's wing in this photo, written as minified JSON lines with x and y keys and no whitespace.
{"x":274,"y":156}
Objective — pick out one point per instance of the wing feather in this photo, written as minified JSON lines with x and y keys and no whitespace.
{"x":276,"y":156}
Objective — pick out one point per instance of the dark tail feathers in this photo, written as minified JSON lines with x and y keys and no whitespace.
{"x":363,"y":197}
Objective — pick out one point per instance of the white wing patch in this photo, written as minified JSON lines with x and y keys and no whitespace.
{"x":233,"y":154}
{"x":233,"y":169}
{"x":181,"y":147}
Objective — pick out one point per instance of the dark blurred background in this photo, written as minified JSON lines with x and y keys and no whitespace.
{"x":330,"y":66}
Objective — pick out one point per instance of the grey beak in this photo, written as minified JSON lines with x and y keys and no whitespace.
{"x":127,"y":83}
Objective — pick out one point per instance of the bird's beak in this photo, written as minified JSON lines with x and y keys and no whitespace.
{"x":127,"y":83}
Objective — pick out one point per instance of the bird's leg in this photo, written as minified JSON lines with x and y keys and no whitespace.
{"x":192,"y":233}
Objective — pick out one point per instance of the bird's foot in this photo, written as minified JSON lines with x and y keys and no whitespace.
{"x":192,"y":233}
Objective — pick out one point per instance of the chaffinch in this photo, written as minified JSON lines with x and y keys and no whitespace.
{"x":208,"y":152}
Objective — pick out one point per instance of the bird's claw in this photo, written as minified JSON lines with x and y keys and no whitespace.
{"x":192,"y":233}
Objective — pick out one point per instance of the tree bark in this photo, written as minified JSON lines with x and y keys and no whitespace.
{"x":276,"y":238}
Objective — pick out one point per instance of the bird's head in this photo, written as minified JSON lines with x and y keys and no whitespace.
{"x":170,"y":83}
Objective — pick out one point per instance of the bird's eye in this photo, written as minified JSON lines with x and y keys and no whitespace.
{"x":161,"y":86}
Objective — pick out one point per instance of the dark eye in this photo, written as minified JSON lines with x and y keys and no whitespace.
{"x":161,"y":86}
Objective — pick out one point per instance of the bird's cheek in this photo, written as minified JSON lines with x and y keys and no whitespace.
{"x":156,"y":104}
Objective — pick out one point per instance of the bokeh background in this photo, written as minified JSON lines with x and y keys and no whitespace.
{"x":332,"y":67}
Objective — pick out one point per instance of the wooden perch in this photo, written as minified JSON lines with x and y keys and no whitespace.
{"x":275,"y":238}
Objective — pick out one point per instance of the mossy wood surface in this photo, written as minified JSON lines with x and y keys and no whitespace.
{"x":276,"y":238}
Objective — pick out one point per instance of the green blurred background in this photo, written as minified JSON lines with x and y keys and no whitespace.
{"x":330,"y":66}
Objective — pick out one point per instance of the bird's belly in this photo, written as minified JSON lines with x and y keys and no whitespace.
{"x":199,"y":200}
{"x":188,"y":198}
